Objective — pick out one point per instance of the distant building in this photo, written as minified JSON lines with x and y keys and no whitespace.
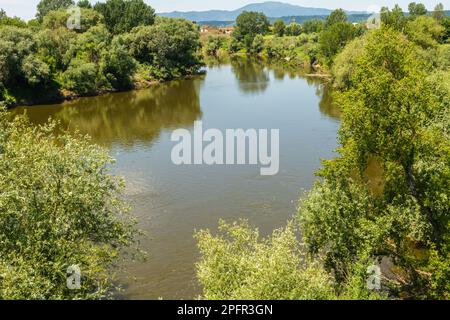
{"x":226,"y":30}
{"x":207,"y":29}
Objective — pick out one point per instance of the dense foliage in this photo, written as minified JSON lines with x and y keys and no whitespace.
{"x":59,"y":207}
{"x":122,"y":16}
{"x":118,"y":44}
{"x":248,"y":26}
{"x":238,"y":264}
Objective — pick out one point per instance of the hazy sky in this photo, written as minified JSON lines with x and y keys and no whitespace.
{"x":27,"y":8}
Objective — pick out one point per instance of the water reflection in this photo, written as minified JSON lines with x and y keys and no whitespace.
{"x":129,"y":117}
{"x":326,"y":105}
{"x":252,"y":75}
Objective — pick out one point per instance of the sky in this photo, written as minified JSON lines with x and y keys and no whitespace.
{"x":26,"y":9}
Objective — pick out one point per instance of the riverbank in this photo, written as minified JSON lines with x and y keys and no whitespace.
{"x":58,"y":96}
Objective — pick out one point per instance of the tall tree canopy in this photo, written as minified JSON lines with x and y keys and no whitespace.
{"x":249,"y":25}
{"x":123,"y":15}
{"x":417,"y":9}
{"x":45,"y":6}
{"x":337,"y":16}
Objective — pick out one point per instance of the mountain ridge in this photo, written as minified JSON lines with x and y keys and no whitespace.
{"x":271,"y":9}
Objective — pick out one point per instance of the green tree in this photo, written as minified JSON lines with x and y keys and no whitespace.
{"x":294,"y":29}
{"x":81,"y":77}
{"x":438,"y":12}
{"x":248,"y":25}
{"x":58,"y":19}
{"x":16,"y":45}
{"x":313,"y":26}
{"x":45,"y":6}
{"x":425,"y":31}
{"x":394,"y":19}
{"x":446,"y":24}
{"x":117,"y":66}
{"x":237,"y":264}
{"x":394,"y":113}
{"x":8,"y":21}
{"x":334,"y":38}
{"x":84,"y":4}
{"x":337,"y":16}
{"x":279,"y":28}
{"x":59,"y":207}
{"x":417,"y":9}
{"x":213,"y":45}
{"x":258,"y":44}
{"x":123,"y":15}
{"x":35,"y":71}
{"x":170,"y":47}
{"x":344,"y":64}
{"x":54,"y":45}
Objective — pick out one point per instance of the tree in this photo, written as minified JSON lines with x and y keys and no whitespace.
{"x":293,"y":29}
{"x":248,"y":25}
{"x":337,"y":16}
{"x":84,"y":4}
{"x":123,"y":15}
{"x":59,"y":208}
{"x":58,"y":19}
{"x":438,"y":12}
{"x":344,"y":64}
{"x":169,"y":47}
{"x":446,"y":24}
{"x":313,"y":26}
{"x":45,"y":6}
{"x":417,"y":9}
{"x":213,"y":45}
{"x":279,"y":28}
{"x":334,"y":38}
{"x":35,"y":71}
{"x":117,"y":66}
{"x":16,"y":45}
{"x":81,"y":77}
{"x":392,"y":112}
{"x":8,"y":21}
{"x":395,"y":19}
{"x":258,"y":44}
{"x":425,"y":31}
{"x":54,"y":45}
{"x":237,"y":264}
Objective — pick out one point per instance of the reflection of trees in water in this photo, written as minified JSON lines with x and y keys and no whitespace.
{"x":216,"y":62}
{"x":251,"y":74}
{"x":326,"y":105}
{"x":280,"y":70}
{"x":129,"y":117}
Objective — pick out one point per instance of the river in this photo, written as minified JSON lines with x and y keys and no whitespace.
{"x":171,"y":202}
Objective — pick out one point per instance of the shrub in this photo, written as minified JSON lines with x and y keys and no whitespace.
{"x":238,"y":265}
{"x":59,"y":207}
{"x":80,"y":77}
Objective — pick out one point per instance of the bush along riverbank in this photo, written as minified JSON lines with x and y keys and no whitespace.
{"x":45,"y":61}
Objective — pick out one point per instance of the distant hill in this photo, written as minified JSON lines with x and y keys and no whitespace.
{"x":270,"y":9}
{"x":287,"y":20}
{"x":355,"y":17}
